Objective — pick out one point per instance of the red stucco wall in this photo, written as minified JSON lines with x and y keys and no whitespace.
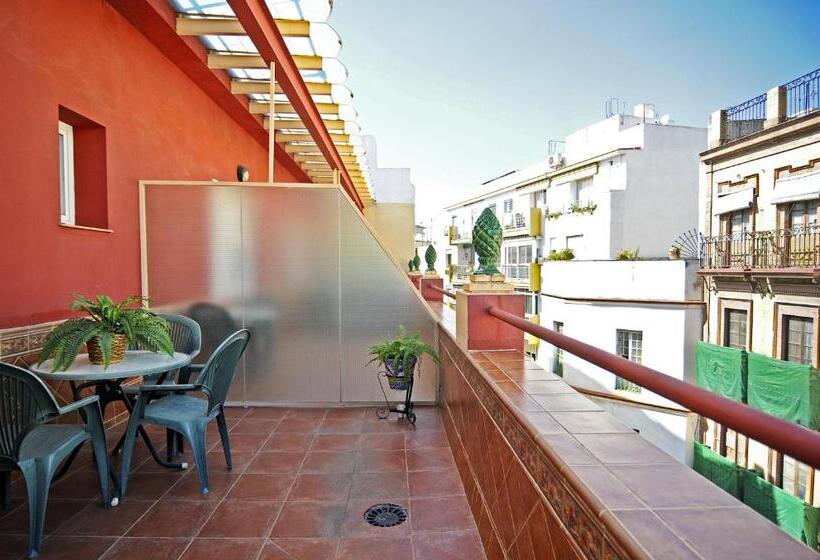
{"x":83,"y":55}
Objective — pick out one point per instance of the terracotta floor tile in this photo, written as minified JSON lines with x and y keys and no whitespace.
{"x":74,"y":548}
{"x":300,"y":549}
{"x":376,"y":548}
{"x":241,"y":519}
{"x":151,"y":486}
{"x":421,"y":440}
{"x":243,"y":442}
{"x":288,"y":442}
{"x":383,"y":442}
{"x":259,"y":426}
{"x":623,"y":448}
{"x":273,"y":462}
{"x":341,"y":426}
{"x":299,"y":425}
{"x":393,"y":424}
{"x":329,"y":462}
{"x":239,"y":459}
{"x":379,"y":485}
{"x":267,"y":412}
{"x":307,"y":414}
{"x":321,"y":487}
{"x":15,"y":521}
{"x":430,"y":459}
{"x":255,"y":486}
{"x":172,"y":518}
{"x":459,"y":545}
{"x":309,"y":519}
{"x":346,"y":412}
{"x":187,"y":488}
{"x":375,"y":460}
{"x":95,"y":520}
{"x":15,"y":546}
{"x":428,"y":484}
{"x":147,"y":548}
{"x":335,"y":442}
{"x":81,"y":485}
{"x":223,"y":549}
{"x":441,"y":514}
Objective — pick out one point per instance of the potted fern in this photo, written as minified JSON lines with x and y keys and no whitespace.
{"x":399,"y":357}
{"x":107,"y":331}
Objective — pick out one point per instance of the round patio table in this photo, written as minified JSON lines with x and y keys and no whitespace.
{"x":107,"y":384}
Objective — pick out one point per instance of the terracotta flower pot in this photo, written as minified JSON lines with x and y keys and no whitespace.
{"x":95,"y":355}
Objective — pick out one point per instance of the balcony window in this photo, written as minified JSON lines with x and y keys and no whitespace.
{"x":508,"y":206}
{"x":517,"y":261}
{"x":798,"y":339}
{"x":734,"y":328}
{"x":629,"y":346}
{"x":582,"y":191}
{"x":65,"y":137}
{"x":802,"y":216}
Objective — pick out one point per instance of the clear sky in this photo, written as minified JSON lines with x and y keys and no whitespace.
{"x":461,"y":91}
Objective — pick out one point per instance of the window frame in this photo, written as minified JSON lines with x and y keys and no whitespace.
{"x":725,"y":305}
{"x":620,"y":383}
{"x":782,"y":311}
{"x":65,"y":154}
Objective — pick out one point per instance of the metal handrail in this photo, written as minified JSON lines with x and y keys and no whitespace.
{"x":442,"y":291}
{"x":796,"y":247}
{"x":803,"y":94}
{"x":793,"y":440}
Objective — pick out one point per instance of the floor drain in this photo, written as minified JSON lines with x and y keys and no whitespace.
{"x":385,"y":515}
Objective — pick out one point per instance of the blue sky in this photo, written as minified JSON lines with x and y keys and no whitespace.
{"x":463,"y":90}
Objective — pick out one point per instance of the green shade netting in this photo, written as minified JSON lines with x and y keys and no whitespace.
{"x":787,"y":390}
{"x":720,"y":470}
{"x":788,"y":512}
{"x":721,"y":370}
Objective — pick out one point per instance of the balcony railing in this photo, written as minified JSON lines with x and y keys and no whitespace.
{"x":745,"y":118}
{"x":803,"y":94}
{"x":797,"y":247}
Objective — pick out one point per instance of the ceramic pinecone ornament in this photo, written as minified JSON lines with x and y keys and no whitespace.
{"x":416,"y":261}
{"x":487,"y":235}
{"x":430,"y":258}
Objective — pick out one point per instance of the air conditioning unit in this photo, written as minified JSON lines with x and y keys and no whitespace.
{"x":554,"y":161}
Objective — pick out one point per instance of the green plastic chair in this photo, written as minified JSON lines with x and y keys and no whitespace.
{"x":30,"y":443}
{"x":187,"y":338}
{"x":188,"y":415}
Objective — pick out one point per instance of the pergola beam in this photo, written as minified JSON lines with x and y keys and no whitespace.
{"x":256,"y":19}
{"x":297,"y":124}
{"x":263,"y":86}
{"x":224,"y":61}
{"x":262,"y":108}
{"x":210,"y":25}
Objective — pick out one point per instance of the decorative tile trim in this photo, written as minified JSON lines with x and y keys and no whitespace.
{"x":28,"y":339}
{"x":584,"y":526}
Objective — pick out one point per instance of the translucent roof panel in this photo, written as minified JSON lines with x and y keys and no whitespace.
{"x":203,"y":7}
{"x":309,"y":10}
{"x":323,"y":41}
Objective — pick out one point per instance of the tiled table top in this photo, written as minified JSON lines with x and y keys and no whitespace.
{"x":301,"y":482}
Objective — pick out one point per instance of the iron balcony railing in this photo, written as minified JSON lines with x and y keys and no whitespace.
{"x":745,"y":118}
{"x":796,"y":247}
{"x":803,"y":95}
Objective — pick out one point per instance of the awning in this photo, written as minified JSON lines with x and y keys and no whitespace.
{"x":804,"y":186}
{"x":314,"y":46}
{"x":737,"y":200}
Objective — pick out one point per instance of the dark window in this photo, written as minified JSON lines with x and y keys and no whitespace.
{"x":630,"y":346}
{"x":557,"y":353}
{"x":798,"y":339}
{"x":734,"y":328}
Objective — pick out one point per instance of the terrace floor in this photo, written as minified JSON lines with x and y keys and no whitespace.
{"x":301,"y":482}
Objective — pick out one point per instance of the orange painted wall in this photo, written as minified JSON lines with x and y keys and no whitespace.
{"x":158,"y":124}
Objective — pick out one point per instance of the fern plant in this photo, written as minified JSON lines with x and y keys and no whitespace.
{"x":399,"y":355}
{"x":106,"y":320}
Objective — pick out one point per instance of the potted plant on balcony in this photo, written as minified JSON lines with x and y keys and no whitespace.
{"x":107,"y":330}
{"x":399,"y":357}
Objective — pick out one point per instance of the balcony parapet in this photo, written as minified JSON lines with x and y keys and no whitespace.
{"x":793,"y":248}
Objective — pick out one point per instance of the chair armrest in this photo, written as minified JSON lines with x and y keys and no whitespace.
{"x":77,"y":405}
{"x":169,"y":388}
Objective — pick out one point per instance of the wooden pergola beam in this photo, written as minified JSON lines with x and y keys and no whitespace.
{"x":297,"y":124}
{"x":256,"y":19}
{"x":211,"y":25}
{"x":263,"y":86}
{"x":312,"y":150}
{"x":224,"y":61}
{"x":262,"y":108}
